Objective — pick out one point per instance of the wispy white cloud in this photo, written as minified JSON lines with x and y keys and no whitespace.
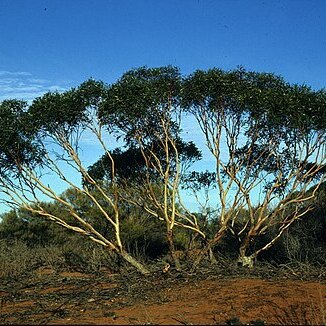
{"x":24,"y":86}
{"x":14,"y":73}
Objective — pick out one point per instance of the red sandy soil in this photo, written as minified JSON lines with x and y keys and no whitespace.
{"x":173,"y":298}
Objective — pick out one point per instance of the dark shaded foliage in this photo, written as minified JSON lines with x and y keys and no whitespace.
{"x":18,"y":145}
{"x":130,"y":164}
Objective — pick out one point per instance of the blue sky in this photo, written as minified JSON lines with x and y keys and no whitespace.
{"x":57,"y":44}
{"x":63,"y":42}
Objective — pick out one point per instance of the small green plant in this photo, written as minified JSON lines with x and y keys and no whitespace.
{"x":15,"y":259}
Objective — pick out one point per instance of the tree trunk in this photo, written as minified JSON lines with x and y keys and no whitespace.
{"x":132,"y":261}
{"x":244,"y":260}
{"x":211,"y":256}
{"x":206,"y":251}
{"x":174,"y":257}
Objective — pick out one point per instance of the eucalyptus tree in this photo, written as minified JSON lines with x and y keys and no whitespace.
{"x":41,"y":143}
{"x":143,"y":108}
{"x":268,"y":141}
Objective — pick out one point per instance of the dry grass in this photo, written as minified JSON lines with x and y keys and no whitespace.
{"x":17,"y":259}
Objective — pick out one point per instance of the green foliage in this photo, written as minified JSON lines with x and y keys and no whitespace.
{"x":88,"y":210}
{"x":216,"y":90}
{"x":17,"y":138}
{"x":198,"y":180}
{"x":130,"y":164}
{"x":272,"y":112}
{"x":64,"y":112}
{"x":265,"y":97}
{"x":31,"y":230}
{"x":145,"y":236}
{"x":135,"y":104}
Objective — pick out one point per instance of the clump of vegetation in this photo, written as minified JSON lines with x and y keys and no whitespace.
{"x":266,"y":137}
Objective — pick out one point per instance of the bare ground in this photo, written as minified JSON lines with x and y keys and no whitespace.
{"x":211,"y":296}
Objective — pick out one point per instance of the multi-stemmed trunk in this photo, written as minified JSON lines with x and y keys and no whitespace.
{"x":170,"y":240}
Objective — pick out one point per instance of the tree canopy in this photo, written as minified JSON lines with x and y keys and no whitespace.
{"x":266,"y":138}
